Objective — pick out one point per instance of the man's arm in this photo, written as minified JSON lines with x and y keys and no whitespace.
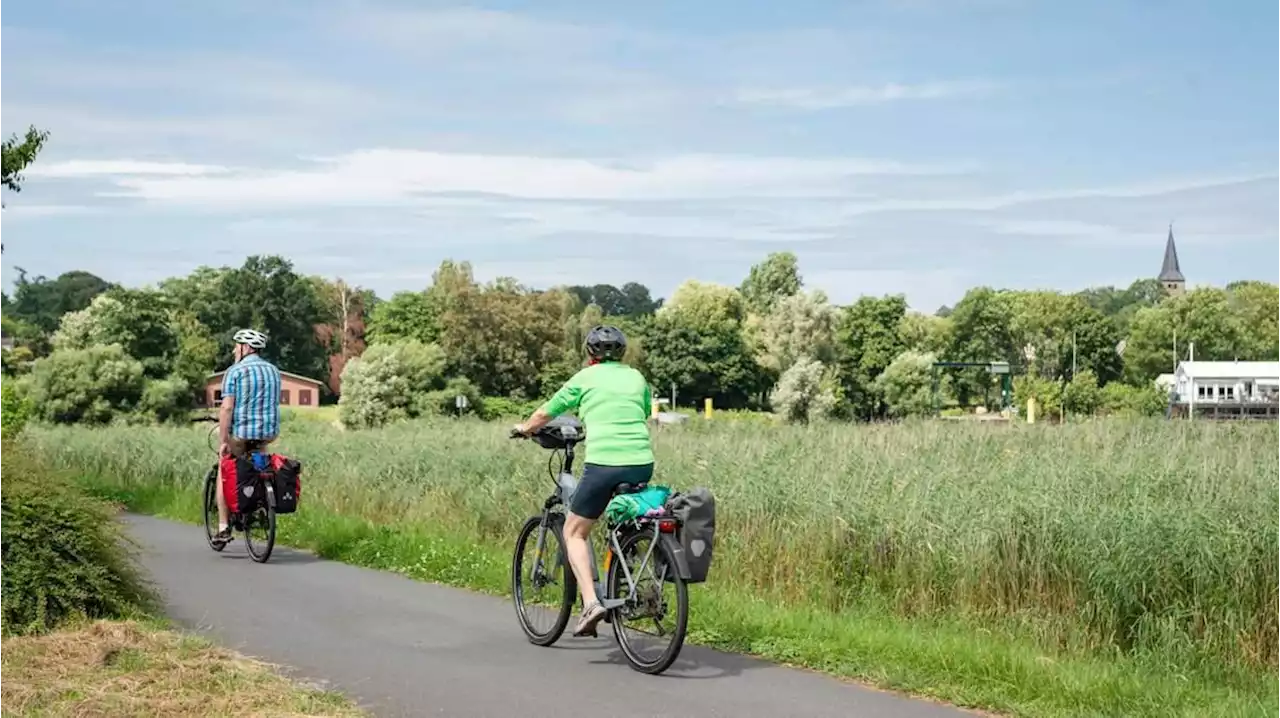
{"x":224,"y":421}
{"x":227,"y":411}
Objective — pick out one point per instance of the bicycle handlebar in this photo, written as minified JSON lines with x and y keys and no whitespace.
{"x":202,"y":419}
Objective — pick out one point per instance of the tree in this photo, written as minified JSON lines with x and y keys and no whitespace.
{"x":42,"y":302}
{"x":705,"y":304}
{"x":1120,"y":305}
{"x":1120,"y":399}
{"x":197,"y":354}
{"x":501,"y":340}
{"x":1046,"y":392}
{"x":1203,"y":316}
{"x":703,"y":361}
{"x":1053,"y":324}
{"x":266,"y":294}
{"x":200,"y":293}
{"x":637,"y":301}
{"x":632,"y":300}
{"x":799,"y":326}
{"x":391,"y":382}
{"x":406,"y":316}
{"x":15,"y":410}
{"x":805,"y":391}
{"x":1082,"y":395}
{"x":344,"y":310}
{"x":907,"y":384}
{"x":18,"y":154}
{"x":777,"y":277}
{"x":868,"y":340}
{"x":1257,"y":305}
{"x":924,"y":333}
{"x":136,"y":319}
{"x":981,"y":332}
{"x":91,"y":385}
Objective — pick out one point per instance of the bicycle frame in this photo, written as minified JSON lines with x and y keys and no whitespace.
{"x":566,"y":484}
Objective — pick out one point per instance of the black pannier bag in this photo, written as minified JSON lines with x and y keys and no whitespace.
{"x":697,"y":513}
{"x":286,"y":479}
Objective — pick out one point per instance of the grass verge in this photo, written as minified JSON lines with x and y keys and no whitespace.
{"x":979,"y":662}
{"x":130,"y":668}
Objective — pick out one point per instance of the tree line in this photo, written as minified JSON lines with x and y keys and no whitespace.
{"x":87,"y":349}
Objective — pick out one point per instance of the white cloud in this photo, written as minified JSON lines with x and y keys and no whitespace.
{"x":37,"y":211}
{"x":98,"y":168}
{"x":826,"y":98}
{"x":394,"y":176}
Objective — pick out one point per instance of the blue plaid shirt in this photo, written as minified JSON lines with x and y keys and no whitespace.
{"x":254,"y":383}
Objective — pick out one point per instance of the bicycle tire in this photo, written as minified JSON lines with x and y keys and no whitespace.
{"x":211,"y":509}
{"x":555,"y":527}
{"x":268,"y":510}
{"x":616,"y":580}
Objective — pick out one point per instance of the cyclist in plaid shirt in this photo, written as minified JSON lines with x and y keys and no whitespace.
{"x":250,"y":415}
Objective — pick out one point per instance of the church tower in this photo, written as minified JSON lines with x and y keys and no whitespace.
{"x":1170,"y":273}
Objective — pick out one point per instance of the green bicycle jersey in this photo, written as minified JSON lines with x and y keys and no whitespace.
{"x":613,"y":401}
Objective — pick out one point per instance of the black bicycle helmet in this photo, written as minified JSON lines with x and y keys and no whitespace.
{"x":606,"y":343}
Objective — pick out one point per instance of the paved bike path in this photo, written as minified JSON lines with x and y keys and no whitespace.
{"x":406,"y":648}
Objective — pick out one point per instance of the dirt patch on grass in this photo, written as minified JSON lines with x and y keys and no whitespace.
{"x":122,"y":668}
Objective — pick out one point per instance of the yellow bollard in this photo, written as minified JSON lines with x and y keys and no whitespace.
{"x":1031,"y":410}
{"x":708,"y":407}
{"x":653,"y":409}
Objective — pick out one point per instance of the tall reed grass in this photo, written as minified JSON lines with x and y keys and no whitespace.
{"x":1149,"y":539}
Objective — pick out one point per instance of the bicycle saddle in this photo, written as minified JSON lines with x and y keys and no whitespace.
{"x":621,"y":489}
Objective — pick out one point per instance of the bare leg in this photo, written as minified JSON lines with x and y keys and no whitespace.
{"x":576,"y":530}
{"x":223,"y":514}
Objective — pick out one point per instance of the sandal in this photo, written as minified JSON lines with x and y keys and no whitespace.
{"x":590,"y":617}
{"x":223,"y":537}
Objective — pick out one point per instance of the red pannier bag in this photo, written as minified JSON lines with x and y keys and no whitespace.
{"x":239,"y":485}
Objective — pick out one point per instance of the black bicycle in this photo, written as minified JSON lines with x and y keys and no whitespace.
{"x":258,"y":525}
{"x":644,"y":562}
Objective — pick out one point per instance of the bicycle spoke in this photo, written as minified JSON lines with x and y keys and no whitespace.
{"x":539,"y":593}
{"x":649,"y":625}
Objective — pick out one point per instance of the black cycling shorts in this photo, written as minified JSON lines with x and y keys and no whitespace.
{"x":596,"y":488}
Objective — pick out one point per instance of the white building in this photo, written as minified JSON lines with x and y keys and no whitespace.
{"x":1236,"y":383}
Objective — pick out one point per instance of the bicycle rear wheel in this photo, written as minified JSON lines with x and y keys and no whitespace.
{"x":542,"y":584}
{"x":260,"y":529}
{"x":658,"y":611}
{"x":211,"y":508}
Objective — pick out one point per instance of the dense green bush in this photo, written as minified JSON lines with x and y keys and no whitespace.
{"x":90,"y":385}
{"x":14,"y":410}
{"x":64,"y":554}
{"x":391,"y":382}
{"x":1127,"y":400}
{"x":501,"y":407}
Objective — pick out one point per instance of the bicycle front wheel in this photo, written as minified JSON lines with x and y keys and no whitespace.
{"x":542,"y":584}
{"x":650,"y":626}
{"x":260,"y":529}
{"x":211,"y":508}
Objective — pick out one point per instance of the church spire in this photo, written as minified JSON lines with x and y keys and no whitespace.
{"x":1170,"y":273}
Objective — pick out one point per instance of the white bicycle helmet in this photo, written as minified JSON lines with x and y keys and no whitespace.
{"x":255,"y":339}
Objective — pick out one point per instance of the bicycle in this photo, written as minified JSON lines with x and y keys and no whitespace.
{"x":621,"y":596}
{"x":263,"y":516}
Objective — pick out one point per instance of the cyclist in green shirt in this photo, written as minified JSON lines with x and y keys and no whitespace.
{"x":613,"y":401}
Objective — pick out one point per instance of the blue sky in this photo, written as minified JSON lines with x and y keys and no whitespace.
{"x":915,"y":146}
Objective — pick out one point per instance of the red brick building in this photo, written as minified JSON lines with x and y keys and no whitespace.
{"x":295,"y":390}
